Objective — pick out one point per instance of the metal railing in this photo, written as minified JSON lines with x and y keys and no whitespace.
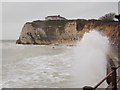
{"x":113,"y":83}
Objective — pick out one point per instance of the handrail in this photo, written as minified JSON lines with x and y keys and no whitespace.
{"x":103,"y":79}
{"x":111,"y":82}
{"x":114,"y":81}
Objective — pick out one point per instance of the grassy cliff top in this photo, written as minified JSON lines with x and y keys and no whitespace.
{"x":55,"y":23}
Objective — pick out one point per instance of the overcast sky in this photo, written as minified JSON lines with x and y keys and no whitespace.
{"x":15,"y":15}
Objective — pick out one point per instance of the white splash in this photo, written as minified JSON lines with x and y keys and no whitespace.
{"x":64,"y":67}
{"x":90,"y":59}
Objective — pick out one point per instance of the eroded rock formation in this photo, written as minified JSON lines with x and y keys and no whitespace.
{"x":64,"y":31}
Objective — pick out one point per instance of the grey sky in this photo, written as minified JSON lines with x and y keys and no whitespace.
{"x":16,"y":14}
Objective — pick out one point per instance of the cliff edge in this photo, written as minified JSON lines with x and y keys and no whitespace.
{"x":64,"y":31}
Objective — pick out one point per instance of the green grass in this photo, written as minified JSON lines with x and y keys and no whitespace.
{"x":55,"y":23}
{"x":82,"y":21}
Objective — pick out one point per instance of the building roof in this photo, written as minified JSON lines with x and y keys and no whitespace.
{"x":55,"y":16}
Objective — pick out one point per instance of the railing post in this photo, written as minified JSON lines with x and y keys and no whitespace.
{"x":114,"y":78}
{"x":88,"y":88}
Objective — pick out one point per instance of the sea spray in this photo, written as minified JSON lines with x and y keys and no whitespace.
{"x":37,"y":66}
{"x":90,"y":59}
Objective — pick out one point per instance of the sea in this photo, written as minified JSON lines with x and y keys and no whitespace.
{"x":54,"y":66}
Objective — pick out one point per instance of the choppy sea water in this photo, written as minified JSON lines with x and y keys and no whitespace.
{"x":35,"y":65}
{"x":50,"y":66}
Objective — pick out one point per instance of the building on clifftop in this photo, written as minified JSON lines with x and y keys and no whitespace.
{"x":56,"y":17}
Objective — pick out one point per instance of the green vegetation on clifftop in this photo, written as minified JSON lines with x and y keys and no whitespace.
{"x":55,"y":23}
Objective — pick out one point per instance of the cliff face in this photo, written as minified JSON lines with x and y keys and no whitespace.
{"x":59,"y":32}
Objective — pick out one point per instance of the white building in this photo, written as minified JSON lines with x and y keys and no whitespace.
{"x":57,"y":17}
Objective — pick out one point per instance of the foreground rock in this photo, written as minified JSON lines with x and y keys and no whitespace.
{"x":63,"y":31}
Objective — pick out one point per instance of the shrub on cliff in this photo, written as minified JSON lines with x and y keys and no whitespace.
{"x":55,"y":22}
{"x":108,"y":17}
